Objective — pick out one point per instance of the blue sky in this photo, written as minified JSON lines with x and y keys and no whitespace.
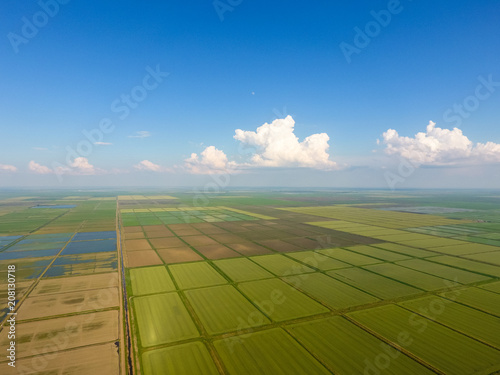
{"x":253,"y":64}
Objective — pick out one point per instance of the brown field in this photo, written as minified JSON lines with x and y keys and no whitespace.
{"x":305,"y":243}
{"x":249,"y":248}
{"x":143,"y":258}
{"x":45,"y":336}
{"x":260,"y":235}
{"x":184,"y":230}
{"x":93,"y":360}
{"x":217,"y":251}
{"x":21,"y":288}
{"x":132,"y":229}
{"x":199,"y":240}
{"x":210,"y":229}
{"x":76,"y":283}
{"x":67,"y":303}
{"x":227,"y":238}
{"x":134,"y":235}
{"x":178,"y":254}
{"x":155,"y":228}
{"x":165,"y":243}
{"x":280,"y":246}
{"x":131,"y":245}
{"x":158,"y":233}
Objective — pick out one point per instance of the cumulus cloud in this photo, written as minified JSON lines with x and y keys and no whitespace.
{"x":277,"y":146}
{"x":210,"y":161}
{"x":7,"y":168}
{"x":38,"y":168}
{"x":141,"y":134}
{"x":79,"y":166}
{"x":147,"y":165}
{"x":439,"y":146}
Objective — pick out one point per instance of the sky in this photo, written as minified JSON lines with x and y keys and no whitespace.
{"x":384,"y":94}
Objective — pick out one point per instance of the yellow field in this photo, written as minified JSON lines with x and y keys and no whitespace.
{"x":380,"y":218}
{"x":143,"y":197}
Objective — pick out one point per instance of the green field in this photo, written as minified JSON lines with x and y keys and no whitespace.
{"x":490,"y":257}
{"x":150,"y":280}
{"x":276,"y":351}
{"x":494,"y":287}
{"x":380,"y":286}
{"x":163,"y":318}
{"x":186,"y":359}
{"x":330,"y":291}
{"x":319,"y":261}
{"x":279,"y":301}
{"x":450,"y":273}
{"x":408,"y":276}
{"x":263,"y":283}
{"x":365,"y":350}
{"x":469,"y":265}
{"x":196,"y":275}
{"x":242,"y":269}
{"x":458,"y":317}
{"x":280,"y":265}
{"x":407,"y":250}
{"x":381,"y":254}
{"x":349,"y":257}
{"x":223,"y":309}
{"x":441,"y":347}
{"x":477,"y":298}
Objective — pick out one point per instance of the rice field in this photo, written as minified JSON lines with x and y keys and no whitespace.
{"x":196,"y":275}
{"x":223,"y":309}
{"x":279,"y":301}
{"x":163,"y":318}
{"x":373,"y":283}
{"x":242,"y":269}
{"x":458,"y":317}
{"x":334,"y":293}
{"x":253,"y":283}
{"x":276,"y":351}
{"x":442,"y":348}
{"x":408,"y":276}
{"x":329,"y":339}
{"x":186,"y":359}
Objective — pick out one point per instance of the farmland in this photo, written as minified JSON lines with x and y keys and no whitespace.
{"x":252,"y":283}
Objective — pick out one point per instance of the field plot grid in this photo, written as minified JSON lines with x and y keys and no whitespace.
{"x":261,"y":285}
{"x":244,"y":284}
{"x":67,"y":287}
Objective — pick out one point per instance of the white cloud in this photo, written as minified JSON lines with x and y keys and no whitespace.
{"x":102,"y":143}
{"x":439,"y":146}
{"x":147,"y":165}
{"x":40,"y":148}
{"x":38,"y":168}
{"x":210,"y":161}
{"x":141,"y":134}
{"x":80,"y":166}
{"x":7,"y":168}
{"x":278,"y":146}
